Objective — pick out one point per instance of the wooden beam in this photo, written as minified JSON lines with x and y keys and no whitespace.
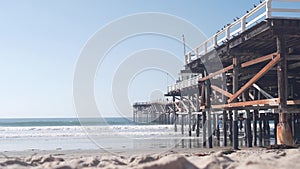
{"x":216,"y":73}
{"x":294,"y":65}
{"x":293,"y":102}
{"x":251,"y":96}
{"x":202,"y":94}
{"x":272,"y":102}
{"x":293,"y":58}
{"x":267,"y":95}
{"x":258,"y":60}
{"x":263,"y":71}
{"x":202,"y":107}
{"x":178,"y":108}
{"x":192,"y":105}
{"x":219,"y":90}
{"x":243,"y":65}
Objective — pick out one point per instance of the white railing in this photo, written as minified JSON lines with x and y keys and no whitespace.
{"x":184,"y":84}
{"x":263,"y":11}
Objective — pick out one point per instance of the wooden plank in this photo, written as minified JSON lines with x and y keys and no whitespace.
{"x":196,"y":113}
{"x":294,"y":65}
{"x":251,"y":96}
{"x":219,"y":90}
{"x":293,"y":102}
{"x":267,"y":95}
{"x":293,"y":58}
{"x":271,"y":102}
{"x":255,"y":78}
{"x":216,"y":73}
{"x":258,"y":60}
{"x":182,"y":113}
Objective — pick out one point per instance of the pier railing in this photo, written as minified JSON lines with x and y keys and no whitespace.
{"x":261,"y":12}
{"x":184,"y":84}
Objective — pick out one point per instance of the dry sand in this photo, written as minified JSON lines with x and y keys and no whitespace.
{"x":255,"y":158}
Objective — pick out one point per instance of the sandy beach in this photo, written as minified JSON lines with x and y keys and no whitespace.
{"x":171,"y":159}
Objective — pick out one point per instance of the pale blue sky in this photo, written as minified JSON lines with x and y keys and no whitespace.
{"x":40,"y":42}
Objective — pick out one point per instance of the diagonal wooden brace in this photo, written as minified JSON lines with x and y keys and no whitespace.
{"x":263,"y":71}
{"x":219,"y":90}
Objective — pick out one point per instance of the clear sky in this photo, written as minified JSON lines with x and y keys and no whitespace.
{"x":40,"y":42}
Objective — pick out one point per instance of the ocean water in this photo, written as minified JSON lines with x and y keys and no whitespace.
{"x":70,"y":134}
{"x":109,"y":134}
{"x":27,"y":122}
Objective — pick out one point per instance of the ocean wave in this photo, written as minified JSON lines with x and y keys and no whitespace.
{"x":84,"y":131}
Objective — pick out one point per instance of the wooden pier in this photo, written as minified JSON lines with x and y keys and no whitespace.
{"x":254,"y":85}
{"x":153,"y":112}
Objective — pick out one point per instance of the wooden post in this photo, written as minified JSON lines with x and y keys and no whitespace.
{"x":175,"y":115}
{"x":182,"y":124}
{"x":224,"y":125}
{"x":218,"y":130}
{"x":168,"y":118}
{"x":203,"y":100}
{"x":260,"y":130}
{"x":204,"y":128}
{"x":198,"y":126}
{"x":190,"y":117}
{"x":214,"y":124}
{"x":247,"y":121}
{"x":264,"y":133}
{"x":208,"y":105}
{"x":240,"y":120}
{"x":268,"y":128}
{"x":235,"y":112}
{"x":194,"y":101}
{"x":284,"y":133}
{"x":198,"y":110}
{"x":141,"y":116}
{"x":147,"y":117}
{"x":293,"y":115}
{"x":209,"y":129}
{"x":275,"y":127}
{"x":296,"y":122}
{"x":293,"y":124}
{"x":134,"y":111}
{"x":230,"y":128}
{"x":255,"y":114}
